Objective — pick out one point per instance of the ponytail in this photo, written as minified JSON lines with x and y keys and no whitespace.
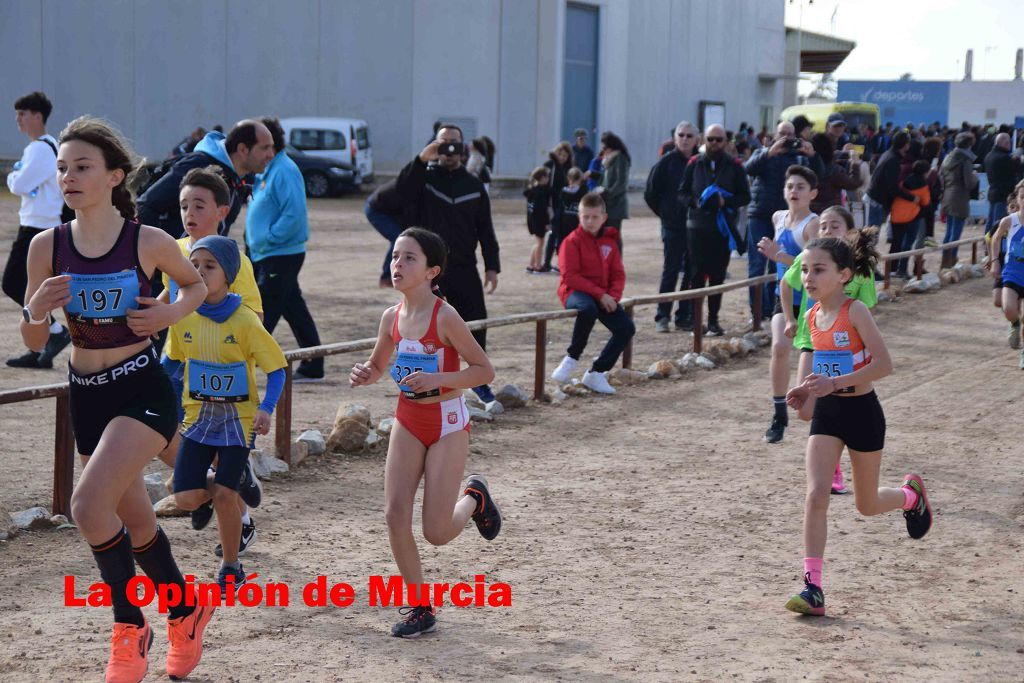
{"x":865,"y":255}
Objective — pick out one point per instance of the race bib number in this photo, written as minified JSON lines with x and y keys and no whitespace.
{"x":833,"y":364}
{"x":103,"y":299}
{"x":408,"y":363}
{"x":218,"y":382}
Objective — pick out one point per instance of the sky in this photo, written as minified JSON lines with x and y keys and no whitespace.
{"x":927,"y":38}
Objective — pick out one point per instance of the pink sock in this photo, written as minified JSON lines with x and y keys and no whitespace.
{"x":839,"y":471}
{"x":813,"y":567}
{"x":909,"y":498}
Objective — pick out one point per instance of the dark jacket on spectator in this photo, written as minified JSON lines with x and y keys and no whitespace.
{"x":581,"y":158}
{"x":885,"y":181}
{"x":158,"y":205}
{"x":958,"y":181}
{"x":831,"y":185}
{"x":558,"y":181}
{"x":1003,"y":171}
{"x":454,"y":205}
{"x":616,"y":183}
{"x":662,"y":191}
{"x":726,"y":172}
{"x":769,"y":177}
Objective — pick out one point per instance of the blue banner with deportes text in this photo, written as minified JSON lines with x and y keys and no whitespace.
{"x":901,"y":102}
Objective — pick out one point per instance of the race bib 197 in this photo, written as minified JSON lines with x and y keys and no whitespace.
{"x":103,"y":299}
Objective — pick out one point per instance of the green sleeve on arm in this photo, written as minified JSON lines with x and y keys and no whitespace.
{"x":792,"y":276}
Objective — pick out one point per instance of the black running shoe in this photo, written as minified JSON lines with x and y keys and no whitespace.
{"x":714,"y":330}
{"x":54,"y":345}
{"x":919,"y":520}
{"x":201,"y":515}
{"x":776,"y":431}
{"x":250,"y":489}
{"x":248,"y":538}
{"x":487,"y":515}
{"x":237,"y":574}
{"x":811,"y":600}
{"x":26,"y":360}
{"x":418,"y":620}
{"x":685,"y":325}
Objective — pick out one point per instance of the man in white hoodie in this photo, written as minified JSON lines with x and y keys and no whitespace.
{"x":34,"y":179}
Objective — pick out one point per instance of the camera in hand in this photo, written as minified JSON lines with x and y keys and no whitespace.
{"x":450,"y":149}
{"x":794,"y":143}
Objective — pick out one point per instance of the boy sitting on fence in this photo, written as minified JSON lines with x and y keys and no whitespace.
{"x":592,"y":280}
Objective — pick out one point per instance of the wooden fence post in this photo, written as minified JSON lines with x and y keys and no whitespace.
{"x":698,"y":324}
{"x":627,"y":353}
{"x":283,"y":425}
{"x":539,"y":357}
{"x":63,"y":458}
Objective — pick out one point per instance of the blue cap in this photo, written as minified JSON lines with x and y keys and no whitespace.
{"x":224,"y":250}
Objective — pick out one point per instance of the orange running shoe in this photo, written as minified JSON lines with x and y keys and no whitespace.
{"x":185,"y":642}
{"x":129,"y":653}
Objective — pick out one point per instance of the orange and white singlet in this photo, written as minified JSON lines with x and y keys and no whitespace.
{"x":838,"y":350}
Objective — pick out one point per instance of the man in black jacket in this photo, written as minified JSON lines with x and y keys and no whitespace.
{"x":1003,"y":172}
{"x":247,"y":149}
{"x":885,"y":180}
{"x":708,"y":247}
{"x":450,"y":201}
{"x":662,"y":195}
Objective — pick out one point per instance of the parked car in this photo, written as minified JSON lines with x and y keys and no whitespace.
{"x":324,"y":177}
{"x":335,"y":139}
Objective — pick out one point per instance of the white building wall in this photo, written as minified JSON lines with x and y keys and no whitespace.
{"x":973,"y":101}
{"x":160,"y":68}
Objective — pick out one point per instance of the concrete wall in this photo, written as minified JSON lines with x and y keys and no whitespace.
{"x":160,"y":68}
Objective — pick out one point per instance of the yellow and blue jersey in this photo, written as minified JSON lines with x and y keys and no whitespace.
{"x":219,"y":360}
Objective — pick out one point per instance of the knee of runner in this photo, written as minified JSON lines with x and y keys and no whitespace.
{"x":190,"y":500}
{"x":867,"y":506}
{"x":434,"y":535}
{"x":398,"y":516}
{"x":85,"y":510}
{"x":224,"y":496}
{"x":818,"y":495}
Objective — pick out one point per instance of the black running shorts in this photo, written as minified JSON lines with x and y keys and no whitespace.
{"x":857,"y":421}
{"x":137,"y":387}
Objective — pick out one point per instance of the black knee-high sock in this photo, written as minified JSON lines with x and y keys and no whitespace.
{"x":780,"y":409}
{"x":156,"y":560}
{"x":114,"y":558}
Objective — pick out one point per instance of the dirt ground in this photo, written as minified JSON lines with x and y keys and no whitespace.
{"x":651,"y":535}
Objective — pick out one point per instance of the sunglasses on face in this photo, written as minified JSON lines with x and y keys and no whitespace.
{"x":711,"y":139}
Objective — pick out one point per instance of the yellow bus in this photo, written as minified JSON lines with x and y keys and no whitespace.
{"x":855,"y":113}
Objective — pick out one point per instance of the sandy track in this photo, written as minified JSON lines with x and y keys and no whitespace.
{"x":649,"y":535}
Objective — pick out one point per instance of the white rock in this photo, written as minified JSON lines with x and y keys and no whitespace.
{"x":886,"y":295}
{"x":512,"y":396}
{"x":33,"y":518}
{"x":385,"y":426}
{"x":495,"y":407}
{"x":704,"y":363}
{"x":316,"y":441}
{"x":688,"y":361}
{"x":978,"y":270}
{"x":932,"y":282}
{"x":748,"y":345}
{"x":374,"y":441}
{"x":59,"y":521}
{"x":472,"y":400}
{"x":558,"y":396}
{"x":299,"y":452}
{"x":265,"y":465}
{"x":477,"y":415}
{"x":662,"y":369}
{"x":354,"y":412}
{"x":155,"y":487}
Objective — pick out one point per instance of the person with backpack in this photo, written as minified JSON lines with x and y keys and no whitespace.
{"x":247,"y":149}
{"x":34,"y":180}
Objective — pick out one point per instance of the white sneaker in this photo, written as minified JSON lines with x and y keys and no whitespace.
{"x":563,"y":373}
{"x":598,"y":381}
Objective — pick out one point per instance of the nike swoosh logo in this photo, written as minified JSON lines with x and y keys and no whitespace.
{"x":195,"y":623}
{"x":153,"y":414}
{"x":248,"y":537}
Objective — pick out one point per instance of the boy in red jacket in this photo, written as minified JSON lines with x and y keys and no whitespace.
{"x":592,"y":280}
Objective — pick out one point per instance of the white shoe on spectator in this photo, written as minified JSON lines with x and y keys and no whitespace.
{"x":598,"y":381}
{"x":563,"y":373}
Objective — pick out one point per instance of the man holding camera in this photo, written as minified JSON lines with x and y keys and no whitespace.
{"x":767,"y":170}
{"x":450,"y":201}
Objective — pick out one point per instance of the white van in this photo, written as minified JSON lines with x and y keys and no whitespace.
{"x":344,"y":140}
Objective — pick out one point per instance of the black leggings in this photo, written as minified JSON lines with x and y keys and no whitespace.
{"x":708,"y":259}
{"x":461,"y":287}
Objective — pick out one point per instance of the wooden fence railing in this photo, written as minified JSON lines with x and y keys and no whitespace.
{"x":64,"y":442}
